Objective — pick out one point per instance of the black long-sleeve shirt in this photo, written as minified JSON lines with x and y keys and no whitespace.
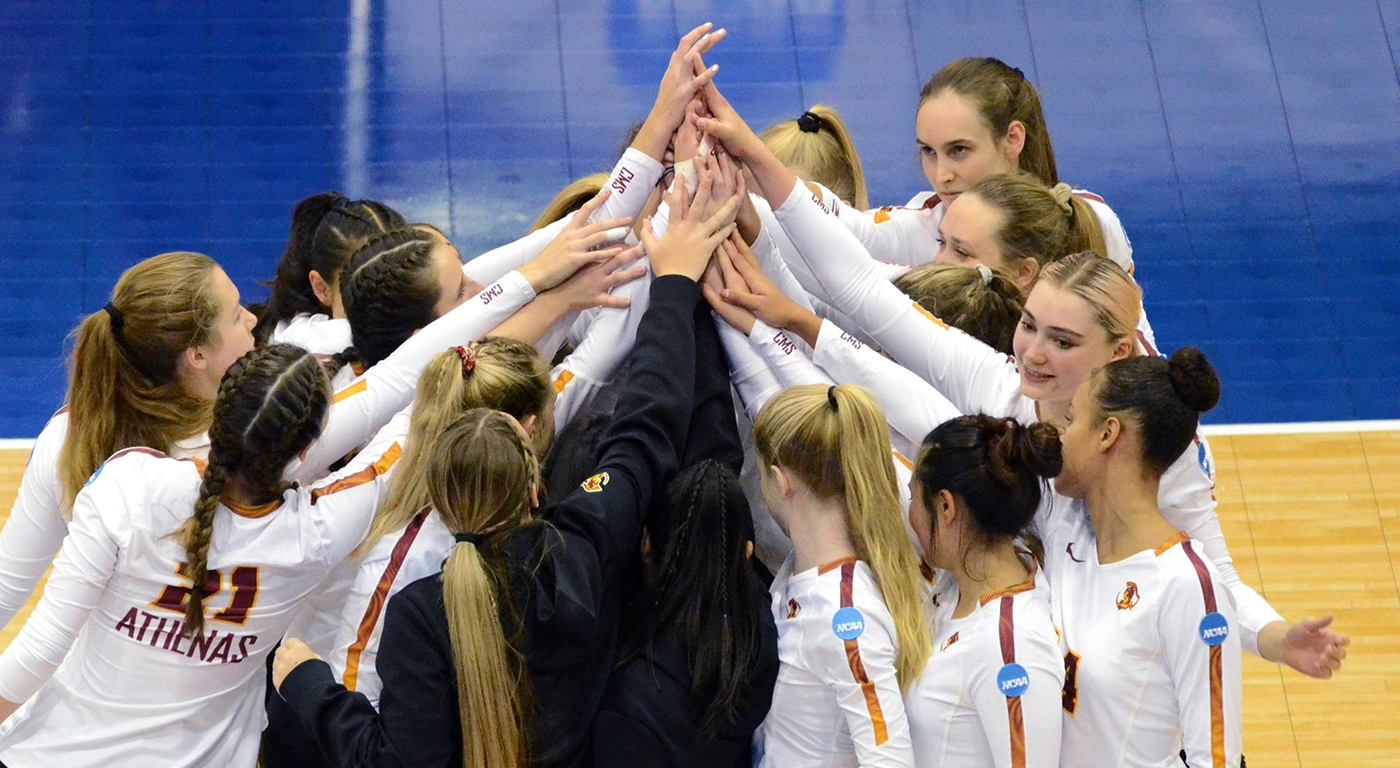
{"x":650,"y":716}
{"x":568,"y":604}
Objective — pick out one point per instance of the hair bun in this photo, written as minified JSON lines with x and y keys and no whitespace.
{"x":1035,"y":447}
{"x":1194,"y":379}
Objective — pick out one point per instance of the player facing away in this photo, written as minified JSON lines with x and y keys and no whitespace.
{"x":125,"y":661}
{"x":1151,"y":634}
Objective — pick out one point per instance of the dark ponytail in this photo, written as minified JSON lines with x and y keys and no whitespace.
{"x":271,"y":404}
{"x":291,"y":289}
{"x":996,"y":468}
{"x":390,"y":290}
{"x":1164,"y":398}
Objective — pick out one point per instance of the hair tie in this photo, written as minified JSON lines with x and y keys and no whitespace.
{"x":831,"y":398}
{"x":115,"y":316}
{"x":809,"y":123}
{"x":1062,"y":193}
{"x":468,"y":355}
{"x":469,"y":538}
{"x":986,"y":273}
{"x":1019,"y":73}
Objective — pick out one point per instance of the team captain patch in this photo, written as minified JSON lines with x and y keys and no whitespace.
{"x":595,"y":483}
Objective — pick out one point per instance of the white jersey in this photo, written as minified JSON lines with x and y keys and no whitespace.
{"x":1152,"y":655}
{"x":608,"y":338}
{"x":990,"y":693}
{"x":319,"y":334}
{"x":631,"y":182}
{"x":837,"y":700}
{"x":343,"y":619}
{"x":39,"y":519}
{"x":135,"y":690}
{"x":978,"y":379}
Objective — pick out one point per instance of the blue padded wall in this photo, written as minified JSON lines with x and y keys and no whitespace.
{"x":1251,"y":149}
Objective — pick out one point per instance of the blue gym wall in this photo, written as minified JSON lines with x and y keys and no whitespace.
{"x":1251,"y":149}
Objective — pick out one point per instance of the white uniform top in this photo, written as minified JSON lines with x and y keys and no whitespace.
{"x":990,"y":693}
{"x":134,"y":690}
{"x":609,"y":334}
{"x":837,"y":700}
{"x":319,"y":334}
{"x":1152,"y":655}
{"x":831,"y":255}
{"x":978,"y":379}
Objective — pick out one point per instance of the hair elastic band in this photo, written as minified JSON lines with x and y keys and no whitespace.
{"x":809,"y":123}
{"x":469,"y":538}
{"x":986,"y":273}
{"x":468,"y":355}
{"x":115,"y":316}
{"x":1062,"y":193}
{"x":1019,"y":73}
{"x":831,"y":397}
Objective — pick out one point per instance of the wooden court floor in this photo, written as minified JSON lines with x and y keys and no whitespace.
{"x":1313,"y":522}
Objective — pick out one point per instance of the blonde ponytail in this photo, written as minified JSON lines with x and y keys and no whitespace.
{"x":570,"y":199}
{"x":835,"y":439}
{"x":822,"y":151}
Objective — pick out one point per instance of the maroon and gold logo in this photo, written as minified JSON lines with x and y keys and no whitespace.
{"x":793,"y":608}
{"x":953,"y":638}
{"x":1128,"y":597}
{"x":595,"y":483}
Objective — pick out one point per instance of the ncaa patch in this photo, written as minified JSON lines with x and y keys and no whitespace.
{"x":1013,"y":680}
{"x":93,"y":477}
{"x":595,"y":483}
{"x":848,"y":623}
{"x":1214,"y":629}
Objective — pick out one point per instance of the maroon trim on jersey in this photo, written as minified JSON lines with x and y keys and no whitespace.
{"x":1217,"y":668}
{"x":380,"y":597}
{"x":1147,"y":345}
{"x":1083,"y":195}
{"x":826,"y":568}
{"x":1014,"y":715}
{"x":931,"y":203}
{"x":1207,"y":590}
{"x":867,"y":686}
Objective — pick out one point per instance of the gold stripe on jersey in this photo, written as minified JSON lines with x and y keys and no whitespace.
{"x":354,"y":389}
{"x":867,"y":686}
{"x":381,"y":596}
{"x":565,"y":376}
{"x":365,"y":475}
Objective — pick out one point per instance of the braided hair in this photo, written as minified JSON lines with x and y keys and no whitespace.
{"x":291,"y":288}
{"x":390,"y":290}
{"x":271,"y":404}
{"x":706,"y":589}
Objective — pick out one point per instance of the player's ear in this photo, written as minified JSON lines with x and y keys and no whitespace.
{"x":946,"y":509}
{"x":782,"y":481}
{"x":1109,"y":432}
{"x":320,"y":286}
{"x":528,"y":423}
{"x":194,"y":359}
{"x":748,"y":550}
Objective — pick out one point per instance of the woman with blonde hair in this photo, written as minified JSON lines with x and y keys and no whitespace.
{"x":818,"y":146}
{"x":849,"y":601}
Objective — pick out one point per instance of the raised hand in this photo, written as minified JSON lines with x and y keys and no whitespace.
{"x":685,"y":77}
{"x":579,"y":244}
{"x":692,"y":236}
{"x":747,"y":288}
{"x":591,"y":286}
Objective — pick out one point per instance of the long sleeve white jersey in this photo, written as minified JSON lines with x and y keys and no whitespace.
{"x":1152,"y":652}
{"x":990,"y":693}
{"x":106,"y":672}
{"x":608,"y":338}
{"x":319,"y":334}
{"x":977,"y":379}
{"x":631,"y":182}
{"x":837,"y":700}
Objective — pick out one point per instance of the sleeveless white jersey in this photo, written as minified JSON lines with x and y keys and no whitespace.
{"x":837,"y":700}
{"x":135,"y":690}
{"x":990,"y":693}
{"x":1152,"y":652}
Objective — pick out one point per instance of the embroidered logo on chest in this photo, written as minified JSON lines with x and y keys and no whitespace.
{"x":793,"y":608}
{"x":953,"y":638}
{"x":1128,"y":597}
{"x":595,"y":483}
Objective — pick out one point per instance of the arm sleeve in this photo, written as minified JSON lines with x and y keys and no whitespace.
{"x":608,"y":341}
{"x":417,"y":715}
{"x":642,"y":444}
{"x":1187,"y":500}
{"x":713,"y":433}
{"x":785,"y":356}
{"x":892,"y":235}
{"x":35,"y":529}
{"x":912,"y":406}
{"x":973,"y":376}
{"x":861,"y":675}
{"x":360,"y":409}
{"x":84,"y":565}
{"x":753,"y":379}
{"x":631,"y":183}
{"x":1022,"y":731}
{"x":768,"y":249}
{"x":1208,"y":680}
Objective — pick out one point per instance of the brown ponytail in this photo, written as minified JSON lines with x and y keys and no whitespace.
{"x":1001,"y":94}
{"x":123,"y":385}
{"x":271,"y":404}
{"x":818,"y":147}
{"x":835,"y":439}
{"x":986,"y":306}
{"x":1040,"y":223}
{"x":480,"y":479}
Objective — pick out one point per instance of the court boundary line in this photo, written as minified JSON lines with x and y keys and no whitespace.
{"x":1209,"y":430}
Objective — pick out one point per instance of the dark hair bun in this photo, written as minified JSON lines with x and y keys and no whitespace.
{"x":1193,"y":379}
{"x":1018,"y":446}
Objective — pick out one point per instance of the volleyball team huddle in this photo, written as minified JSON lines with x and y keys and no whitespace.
{"x":806,"y":484}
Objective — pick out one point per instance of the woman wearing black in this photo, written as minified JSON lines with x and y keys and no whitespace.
{"x":556,"y":580}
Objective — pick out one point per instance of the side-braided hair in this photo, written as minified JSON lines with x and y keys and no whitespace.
{"x":390,"y":289}
{"x":291,"y":289}
{"x":345,"y":229}
{"x":272,"y":403}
